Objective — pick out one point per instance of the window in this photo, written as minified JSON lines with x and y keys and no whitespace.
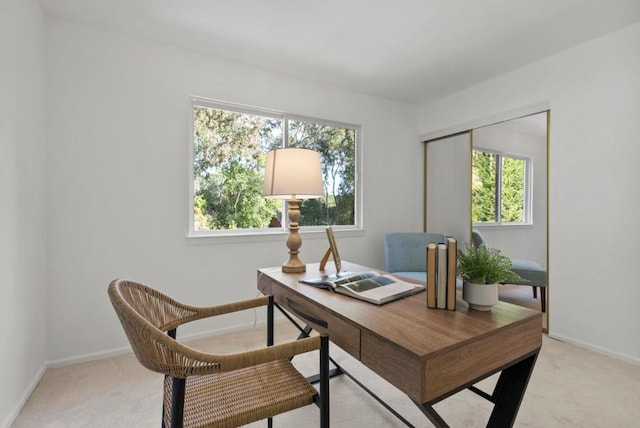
{"x":230,"y":144}
{"x":500,"y":188}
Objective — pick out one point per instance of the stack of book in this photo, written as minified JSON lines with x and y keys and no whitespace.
{"x":442,"y":260}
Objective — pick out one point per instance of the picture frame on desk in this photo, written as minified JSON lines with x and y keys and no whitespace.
{"x":331,"y":251}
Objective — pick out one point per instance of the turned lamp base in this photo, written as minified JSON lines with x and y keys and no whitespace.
{"x":294,"y":241}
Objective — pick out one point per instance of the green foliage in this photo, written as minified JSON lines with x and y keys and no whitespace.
{"x":337,"y":152}
{"x":229,"y":155}
{"x":512,"y":208}
{"x":482,"y":265}
{"x":484,"y":188}
{"x":232,"y":199}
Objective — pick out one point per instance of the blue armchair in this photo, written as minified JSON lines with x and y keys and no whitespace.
{"x":405,"y":253}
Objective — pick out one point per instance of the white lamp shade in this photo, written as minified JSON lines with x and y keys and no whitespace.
{"x":293,"y":172}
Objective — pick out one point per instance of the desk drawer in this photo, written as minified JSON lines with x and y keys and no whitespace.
{"x":340,"y":332}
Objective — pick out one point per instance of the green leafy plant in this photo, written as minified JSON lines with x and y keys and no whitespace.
{"x":482,"y":265}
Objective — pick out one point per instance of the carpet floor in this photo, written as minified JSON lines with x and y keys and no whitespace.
{"x":569,"y":387}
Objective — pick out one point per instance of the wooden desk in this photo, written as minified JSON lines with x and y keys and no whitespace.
{"x":429,"y":354}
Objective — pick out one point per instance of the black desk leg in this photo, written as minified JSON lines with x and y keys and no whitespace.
{"x":509,"y":392}
{"x":432,"y":415}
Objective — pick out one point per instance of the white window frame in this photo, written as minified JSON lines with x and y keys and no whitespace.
{"x":270,"y":232}
{"x":528,"y":191}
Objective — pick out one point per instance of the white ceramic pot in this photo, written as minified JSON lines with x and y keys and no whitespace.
{"x":480,"y":297}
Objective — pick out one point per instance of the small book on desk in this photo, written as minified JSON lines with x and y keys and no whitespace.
{"x":371,"y":287}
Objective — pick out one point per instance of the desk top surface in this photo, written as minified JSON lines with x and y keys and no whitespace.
{"x":408,"y":322}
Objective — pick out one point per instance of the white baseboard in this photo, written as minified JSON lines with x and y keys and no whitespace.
{"x":23,"y":400}
{"x":617,"y":355}
{"x":88,"y":357}
{"x":127,"y":349}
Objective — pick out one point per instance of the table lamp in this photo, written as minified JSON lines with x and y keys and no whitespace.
{"x":293,"y":174}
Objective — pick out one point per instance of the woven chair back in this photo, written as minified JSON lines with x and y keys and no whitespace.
{"x":145,"y":314}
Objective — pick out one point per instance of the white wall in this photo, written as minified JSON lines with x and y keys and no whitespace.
{"x":22,"y":203}
{"x":520,"y":242}
{"x":118,"y":175}
{"x":594,"y":94}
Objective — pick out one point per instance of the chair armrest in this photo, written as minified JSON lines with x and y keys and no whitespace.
{"x":204,"y":312}
{"x":193,"y":313}
{"x":183,"y":361}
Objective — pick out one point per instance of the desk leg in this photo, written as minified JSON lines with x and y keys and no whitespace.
{"x":509,"y":392}
{"x":305,"y":332}
{"x":432,"y":415}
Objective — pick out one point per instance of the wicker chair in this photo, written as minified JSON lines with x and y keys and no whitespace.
{"x":207,"y":390}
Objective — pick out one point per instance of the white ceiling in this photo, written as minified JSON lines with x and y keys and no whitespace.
{"x":408,"y":50}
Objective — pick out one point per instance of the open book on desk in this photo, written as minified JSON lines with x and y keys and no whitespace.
{"x":371,"y":287}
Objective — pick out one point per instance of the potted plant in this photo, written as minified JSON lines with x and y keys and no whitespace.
{"x":482,"y":269}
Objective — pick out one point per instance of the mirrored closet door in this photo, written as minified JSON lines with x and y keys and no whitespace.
{"x":448,"y":180}
{"x":493,"y":180}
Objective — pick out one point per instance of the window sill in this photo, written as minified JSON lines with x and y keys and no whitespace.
{"x":503,"y":225}
{"x":194,"y":239}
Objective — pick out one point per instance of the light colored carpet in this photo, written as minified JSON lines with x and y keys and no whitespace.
{"x":570,"y":387}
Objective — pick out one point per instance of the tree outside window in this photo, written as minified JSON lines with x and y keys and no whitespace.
{"x":337,"y":154}
{"x":500,"y":188}
{"x":229,"y":152}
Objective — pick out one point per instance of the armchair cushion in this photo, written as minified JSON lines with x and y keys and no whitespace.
{"x":529,"y":270}
{"x":535,"y":275}
{"x":407,"y":251}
